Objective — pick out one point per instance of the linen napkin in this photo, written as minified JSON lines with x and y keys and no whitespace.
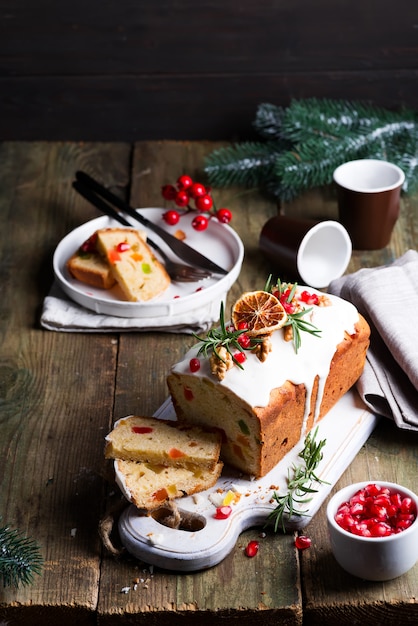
{"x":387,"y":297}
{"x":59,"y":313}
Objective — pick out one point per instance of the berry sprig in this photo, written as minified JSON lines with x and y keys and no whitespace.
{"x":189,"y":195}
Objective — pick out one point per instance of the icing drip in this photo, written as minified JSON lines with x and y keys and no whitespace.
{"x":254,"y":382}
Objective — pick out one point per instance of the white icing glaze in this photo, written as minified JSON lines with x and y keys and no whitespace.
{"x":254,"y":382}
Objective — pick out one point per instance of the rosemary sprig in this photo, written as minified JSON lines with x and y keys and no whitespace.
{"x":300,"y":485}
{"x":224,"y":336}
{"x":298,"y":324}
{"x":295,"y":320}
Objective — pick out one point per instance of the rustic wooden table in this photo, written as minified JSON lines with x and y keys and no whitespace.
{"x":61,"y":391}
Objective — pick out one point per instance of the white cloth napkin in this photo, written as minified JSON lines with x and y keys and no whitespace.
{"x":61,"y":314}
{"x":387,"y":297}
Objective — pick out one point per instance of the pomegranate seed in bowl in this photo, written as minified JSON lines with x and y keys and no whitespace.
{"x":373,"y":528}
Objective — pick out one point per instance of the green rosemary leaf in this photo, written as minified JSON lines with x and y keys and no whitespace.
{"x":300,"y":485}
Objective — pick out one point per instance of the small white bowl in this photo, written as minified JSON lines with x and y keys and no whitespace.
{"x":373,"y":558}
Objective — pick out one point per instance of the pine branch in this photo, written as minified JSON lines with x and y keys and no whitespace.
{"x":269,"y":121}
{"x":312,"y":163}
{"x":248,"y":164}
{"x":310,"y":139}
{"x":20,"y":558}
{"x":326,"y":118}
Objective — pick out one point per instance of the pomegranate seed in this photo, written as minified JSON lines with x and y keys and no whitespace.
{"x":171,"y":217}
{"x":396,"y":499}
{"x":407,"y":505}
{"x":309,"y":298}
{"x":303,"y":542}
{"x":194,"y":365}
{"x":376,"y":512}
{"x":244,"y":340}
{"x":380,"y":530}
{"x":240,"y":357}
{"x":223,"y":512}
{"x":252,"y":549}
{"x":357,"y":508}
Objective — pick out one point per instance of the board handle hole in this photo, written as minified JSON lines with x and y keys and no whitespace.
{"x":173,"y":517}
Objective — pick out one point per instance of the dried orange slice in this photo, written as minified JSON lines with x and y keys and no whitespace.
{"x":258,"y":311}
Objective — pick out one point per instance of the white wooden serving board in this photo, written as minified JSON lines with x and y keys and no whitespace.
{"x":346,"y":428}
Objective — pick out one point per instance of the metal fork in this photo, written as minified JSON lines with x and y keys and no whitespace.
{"x":178,"y":272}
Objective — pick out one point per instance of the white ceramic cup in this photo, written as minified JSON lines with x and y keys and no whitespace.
{"x":314,"y":252}
{"x":372,"y":558}
{"x":368,"y":192}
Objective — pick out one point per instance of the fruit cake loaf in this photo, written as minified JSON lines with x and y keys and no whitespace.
{"x":264,"y":407}
{"x":133,"y":264}
{"x":149,"y":485}
{"x":163,"y":442}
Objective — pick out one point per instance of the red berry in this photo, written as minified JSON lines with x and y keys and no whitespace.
{"x":204,"y":203}
{"x":252,"y":549}
{"x":197,"y":190}
{"x":171,"y":217}
{"x":184,"y":182}
{"x":200,"y":222}
{"x":182,"y":198}
{"x":223,"y":512}
{"x":289,"y":307}
{"x":242,"y":325}
{"x":302,"y":542}
{"x":224,"y":216}
{"x":169,"y":192}
{"x":194,"y":365}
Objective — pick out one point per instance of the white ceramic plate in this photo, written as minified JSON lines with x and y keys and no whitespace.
{"x":219,"y":242}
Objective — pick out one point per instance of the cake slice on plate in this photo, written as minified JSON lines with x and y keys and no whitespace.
{"x":133,"y":264}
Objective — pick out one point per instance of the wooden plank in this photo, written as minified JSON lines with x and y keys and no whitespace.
{"x":156,"y":107}
{"x":56,"y":389}
{"x":265,"y":588}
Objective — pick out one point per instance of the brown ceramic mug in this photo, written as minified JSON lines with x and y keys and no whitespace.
{"x":301,"y":249}
{"x":368,"y":192}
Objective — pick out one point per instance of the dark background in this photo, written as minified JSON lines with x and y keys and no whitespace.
{"x":154,"y":69}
